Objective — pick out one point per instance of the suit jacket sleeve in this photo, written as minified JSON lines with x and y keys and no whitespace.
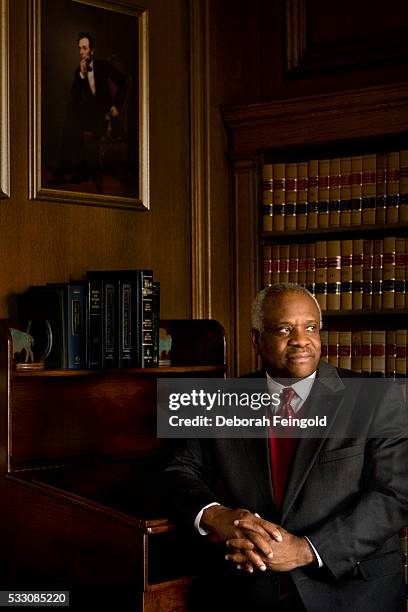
{"x":380,"y":508}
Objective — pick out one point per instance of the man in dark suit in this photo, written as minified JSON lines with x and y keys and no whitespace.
{"x":97,"y":96}
{"x":311,"y":524}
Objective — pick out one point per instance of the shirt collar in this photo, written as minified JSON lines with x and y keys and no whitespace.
{"x":302,"y":387}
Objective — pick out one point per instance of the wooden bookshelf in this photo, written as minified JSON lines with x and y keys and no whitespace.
{"x":80,"y":476}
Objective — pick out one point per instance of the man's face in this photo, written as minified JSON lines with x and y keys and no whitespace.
{"x":289,"y":344}
{"x":84,"y":49}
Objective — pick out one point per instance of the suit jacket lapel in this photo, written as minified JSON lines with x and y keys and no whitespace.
{"x":324,"y":399}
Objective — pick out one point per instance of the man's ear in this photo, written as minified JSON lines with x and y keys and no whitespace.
{"x":255,"y":339}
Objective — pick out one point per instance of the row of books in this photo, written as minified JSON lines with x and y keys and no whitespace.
{"x":339,"y":192}
{"x":110,"y":320}
{"x":343,"y":274}
{"x":379,"y":352}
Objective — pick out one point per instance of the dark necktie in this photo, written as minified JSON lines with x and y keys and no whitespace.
{"x":281,"y":450}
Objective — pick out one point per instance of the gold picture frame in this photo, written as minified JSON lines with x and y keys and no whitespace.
{"x":4,"y":101}
{"x":71,"y":161}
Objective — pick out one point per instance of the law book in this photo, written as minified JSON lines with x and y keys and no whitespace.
{"x":346,"y":248}
{"x":278,"y":197}
{"x":302,"y":195}
{"x":334,"y":275}
{"x":401,"y":353}
{"x":378,"y":352}
{"x":293,"y":263}
{"x":156,"y":323}
{"x":284,"y":263}
{"x":313,"y":195}
{"x":275,"y":267}
{"x":367,"y":273}
{"x":103,"y":340}
{"x":378,"y":251}
{"x":302,"y":265}
{"x":290,"y":196}
{"x":356,"y":351}
{"x":388,"y":273}
{"x":400,"y":273}
{"x":357,"y":274}
{"x":324,"y":342}
{"x":333,"y":349}
{"x":368,"y":189}
{"x":267,"y":198}
{"x":381,"y":189}
{"x":311,"y":267}
{"x":345,"y":350}
{"x":323,"y":193}
{"x":334,"y":193}
{"x":321,"y":273}
{"x":74,"y":308}
{"x":266,"y":265}
{"x":392,"y":187}
{"x":390,"y":353}
{"x":345,"y":191}
{"x":403,"y":186}
{"x":356,"y":189}
{"x":366,"y":352}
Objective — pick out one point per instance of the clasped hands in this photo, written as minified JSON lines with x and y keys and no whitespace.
{"x":254,"y":542}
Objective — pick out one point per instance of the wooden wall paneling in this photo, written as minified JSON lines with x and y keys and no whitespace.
{"x":319,"y":119}
{"x":4,"y":101}
{"x":246,"y":264}
{"x":200,"y":160}
{"x":327,"y":36}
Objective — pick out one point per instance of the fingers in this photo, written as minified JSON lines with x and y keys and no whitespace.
{"x":245,"y":545}
{"x":248,"y":559}
{"x":259,"y":526}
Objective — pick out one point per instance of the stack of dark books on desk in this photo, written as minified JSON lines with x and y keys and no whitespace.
{"x":110,"y":320}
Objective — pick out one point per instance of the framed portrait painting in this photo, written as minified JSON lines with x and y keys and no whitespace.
{"x":4,"y":102}
{"x":89,"y":131}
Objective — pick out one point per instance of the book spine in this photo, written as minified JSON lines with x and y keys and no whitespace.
{"x":127,"y":323}
{"x":323,"y":192}
{"x":156,"y":323}
{"x":278,"y":197}
{"x":345,"y":349}
{"x":266,"y":265}
{"x":346,"y":247}
{"x":345,"y":191}
{"x":313,"y":194}
{"x":334,"y":275}
{"x":378,"y":352}
{"x":321,"y":274}
{"x":356,"y":351}
{"x":403,"y":186}
{"x":356,"y":189}
{"x":95,"y":323}
{"x":334,"y":193}
{"x":392,"y":187}
{"x":388,"y":284}
{"x":381,"y":189}
{"x":368,"y":189}
{"x":284,"y":263}
{"x":378,"y":250}
{"x":400,"y":272}
{"x":390,"y":353}
{"x":290,"y":196}
{"x":401,"y":353}
{"x":333,"y":351}
{"x":147,"y":318}
{"x":324,"y":342}
{"x":366,"y":352}
{"x":293,"y":263}
{"x":267,"y":198}
{"x":275,"y":268}
{"x":76,"y":332}
{"x":110,"y":322}
{"x":311,"y":267}
{"x":367,"y":273}
{"x":358,"y":285}
{"x":302,"y":265}
{"x":302,"y":195}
